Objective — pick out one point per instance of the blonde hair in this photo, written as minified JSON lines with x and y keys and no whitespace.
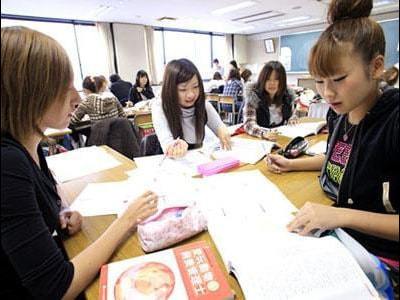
{"x":351,"y":31}
{"x":35,"y":72}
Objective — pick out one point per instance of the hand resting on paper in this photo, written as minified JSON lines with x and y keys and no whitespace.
{"x":140,"y":209}
{"x":313,"y":216}
{"x":70,"y":221}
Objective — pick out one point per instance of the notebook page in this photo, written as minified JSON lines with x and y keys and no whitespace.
{"x":295,"y":267}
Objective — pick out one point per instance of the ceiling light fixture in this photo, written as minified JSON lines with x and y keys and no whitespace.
{"x":101,"y":10}
{"x":291,"y":20}
{"x":230,"y":8}
{"x":282,"y":24}
{"x":382,"y":3}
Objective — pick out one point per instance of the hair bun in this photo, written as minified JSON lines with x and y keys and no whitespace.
{"x":340,"y":10}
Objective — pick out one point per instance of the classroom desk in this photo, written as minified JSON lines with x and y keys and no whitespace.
{"x":298,"y":187}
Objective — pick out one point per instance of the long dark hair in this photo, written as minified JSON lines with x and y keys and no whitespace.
{"x":176,"y":72}
{"x":142,"y":73}
{"x":265,"y":74}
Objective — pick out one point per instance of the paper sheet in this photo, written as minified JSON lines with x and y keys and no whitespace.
{"x":80,"y":162}
{"x":317,"y":149}
{"x":186,"y":165}
{"x":245,"y":150}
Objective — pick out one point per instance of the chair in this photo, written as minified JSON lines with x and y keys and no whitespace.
{"x":117,"y":133}
{"x":150,"y":145}
{"x":214,"y":100}
{"x":230,"y":101}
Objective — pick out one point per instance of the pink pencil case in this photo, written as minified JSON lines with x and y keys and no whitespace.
{"x":218,"y":166}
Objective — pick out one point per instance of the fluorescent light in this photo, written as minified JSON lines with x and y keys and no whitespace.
{"x":298,"y":22}
{"x":382,"y":2}
{"x":227,"y":9}
{"x":101,"y":10}
{"x":293,"y":20}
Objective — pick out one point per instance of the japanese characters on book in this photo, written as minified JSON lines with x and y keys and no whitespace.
{"x":186,"y":272}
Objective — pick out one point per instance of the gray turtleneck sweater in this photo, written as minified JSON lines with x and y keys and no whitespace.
{"x":164,"y":133}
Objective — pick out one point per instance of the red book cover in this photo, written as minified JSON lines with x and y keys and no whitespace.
{"x":186,"y":272}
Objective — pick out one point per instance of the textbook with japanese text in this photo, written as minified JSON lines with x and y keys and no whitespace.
{"x":187,"y":272}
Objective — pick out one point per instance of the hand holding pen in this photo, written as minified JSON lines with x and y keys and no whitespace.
{"x":177,"y":149}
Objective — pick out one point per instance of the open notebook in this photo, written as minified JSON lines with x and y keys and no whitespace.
{"x":271,"y":263}
{"x":301,"y":129}
{"x":186,"y":272}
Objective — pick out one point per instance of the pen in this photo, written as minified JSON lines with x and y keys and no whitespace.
{"x":166,"y":154}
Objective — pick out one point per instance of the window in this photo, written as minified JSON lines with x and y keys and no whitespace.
{"x":81,"y":43}
{"x":171,"y":44}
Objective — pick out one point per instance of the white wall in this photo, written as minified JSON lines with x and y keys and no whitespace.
{"x":130,"y":50}
{"x":240,"y":49}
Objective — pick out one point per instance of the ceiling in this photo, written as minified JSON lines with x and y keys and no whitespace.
{"x":260,"y":16}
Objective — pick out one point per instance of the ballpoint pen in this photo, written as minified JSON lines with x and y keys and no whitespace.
{"x":166,"y":154}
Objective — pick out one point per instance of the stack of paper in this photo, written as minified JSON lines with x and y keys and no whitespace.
{"x":80,"y":162}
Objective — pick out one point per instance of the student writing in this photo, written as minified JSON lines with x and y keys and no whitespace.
{"x":360,"y":171}
{"x":183,"y":112}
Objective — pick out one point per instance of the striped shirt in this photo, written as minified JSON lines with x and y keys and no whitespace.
{"x":98,"y":107}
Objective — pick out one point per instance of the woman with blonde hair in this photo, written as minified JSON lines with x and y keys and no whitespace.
{"x":37,"y":92}
{"x":360,"y":171}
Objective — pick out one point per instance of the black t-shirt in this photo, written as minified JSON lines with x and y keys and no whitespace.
{"x":337,"y":161}
{"x":34,"y":265}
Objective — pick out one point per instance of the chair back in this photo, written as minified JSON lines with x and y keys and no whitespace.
{"x":117,"y":133}
{"x":214,"y":100}
{"x":228,"y":101}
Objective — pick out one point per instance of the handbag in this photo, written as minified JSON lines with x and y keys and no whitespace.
{"x":171,"y":226}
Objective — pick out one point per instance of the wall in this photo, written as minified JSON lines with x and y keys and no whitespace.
{"x":255,"y":44}
{"x":240,"y":49}
{"x":130,"y":49}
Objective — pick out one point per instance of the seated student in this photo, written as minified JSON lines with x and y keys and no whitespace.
{"x":98,"y":104}
{"x":233,"y":87}
{"x":37,"y":87}
{"x":269,"y":103}
{"x":120,"y":88}
{"x":141,"y":90}
{"x":217,"y":68}
{"x":360,"y":170}
{"x":216,"y":85}
{"x":180,"y":116}
{"x":246,"y":75}
{"x":389,"y":79}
